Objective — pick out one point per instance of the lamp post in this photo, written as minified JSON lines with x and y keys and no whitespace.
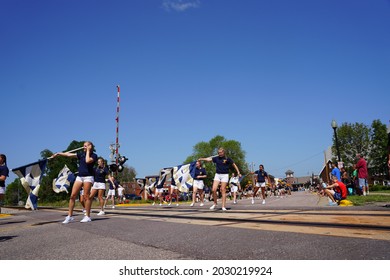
{"x":334,"y":126}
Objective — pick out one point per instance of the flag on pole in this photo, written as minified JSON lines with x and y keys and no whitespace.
{"x":184,"y":176}
{"x":30,"y":176}
{"x":63,"y":181}
{"x":165,"y":176}
{"x":150,"y":184}
{"x":141,"y":183}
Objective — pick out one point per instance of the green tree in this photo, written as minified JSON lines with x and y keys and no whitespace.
{"x":378,"y":149}
{"x":127,"y":175}
{"x":205,"y":149}
{"x":15,"y":193}
{"x":371,"y":142}
{"x":53,"y":167}
{"x":353,"y":139}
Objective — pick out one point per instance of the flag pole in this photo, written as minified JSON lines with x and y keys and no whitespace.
{"x":70,"y":151}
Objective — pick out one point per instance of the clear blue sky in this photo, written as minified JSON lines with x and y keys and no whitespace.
{"x":271,"y":74}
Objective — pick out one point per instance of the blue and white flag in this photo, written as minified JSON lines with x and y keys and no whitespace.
{"x":30,"y":176}
{"x":63,"y":181}
{"x":165,"y":176}
{"x":150,"y":184}
{"x":184,"y":176}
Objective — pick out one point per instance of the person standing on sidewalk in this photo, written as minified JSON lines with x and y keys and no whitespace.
{"x":222,"y":163}
{"x":200,"y":175}
{"x":84,"y":179}
{"x":361,"y":167}
{"x":260,"y":180}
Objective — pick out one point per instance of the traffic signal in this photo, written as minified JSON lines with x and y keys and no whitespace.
{"x":118,"y":167}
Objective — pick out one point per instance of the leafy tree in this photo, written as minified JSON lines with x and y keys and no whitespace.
{"x":127,"y":175}
{"x":205,"y":149}
{"x":359,"y":138}
{"x":378,"y":148}
{"x":53,"y":167}
{"x":353,"y":139}
{"x":15,"y":193}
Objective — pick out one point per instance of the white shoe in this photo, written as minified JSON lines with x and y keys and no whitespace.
{"x":153,"y":203}
{"x":101,"y":213}
{"x":113,"y":207}
{"x":192,"y":204}
{"x":169,"y":204}
{"x":234,"y":202}
{"x":86,"y":219}
{"x":84,"y":211}
{"x":160,"y":204}
{"x":177,"y":204}
{"x":213,"y":206}
{"x":263,"y":202}
{"x":201,"y":204}
{"x":253,"y":201}
{"x":68,"y":219}
{"x":224,"y":209}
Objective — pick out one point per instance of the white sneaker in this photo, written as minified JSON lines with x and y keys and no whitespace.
{"x":253,"y":201}
{"x":263,"y":202}
{"x":153,"y":203}
{"x":201,"y":204}
{"x":101,"y":213}
{"x":213,"y":206}
{"x":169,"y":204}
{"x":224,"y":209}
{"x":177,"y":204}
{"x":68,"y":219}
{"x":113,"y":207}
{"x":86,"y":219}
{"x":192,"y":204}
{"x":160,"y":204}
{"x":234,"y":202}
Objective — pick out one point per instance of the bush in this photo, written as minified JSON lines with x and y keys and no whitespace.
{"x":376,"y":188}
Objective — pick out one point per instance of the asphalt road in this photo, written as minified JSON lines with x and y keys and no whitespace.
{"x":300,"y":227}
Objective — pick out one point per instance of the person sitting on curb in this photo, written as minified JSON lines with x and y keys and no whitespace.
{"x":336,"y":191}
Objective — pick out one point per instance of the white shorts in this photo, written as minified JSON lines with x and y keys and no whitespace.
{"x":161,"y":190}
{"x":234,"y":188}
{"x":260,"y":185}
{"x":2,"y":190}
{"x":199,"y":184}
{"x":224,"y":178}
{"x":111,"y":192}
{"x":99,"y":186}
{"x":87,"y":179}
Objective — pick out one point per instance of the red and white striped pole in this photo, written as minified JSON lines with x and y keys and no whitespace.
{"x":117,"y":126}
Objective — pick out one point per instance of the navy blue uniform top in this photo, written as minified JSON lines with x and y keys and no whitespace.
{"x":261,"y":175}
{"x":84,"y":168}
{"x":200,"y":171}
{"x":100,"y":174}
{"x":4,"y":171}
{"x":222,"y":164}
{"x":111,"y":186}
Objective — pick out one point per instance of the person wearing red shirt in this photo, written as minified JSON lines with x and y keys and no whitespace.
{"x":336,"y":191}
{"x":361,"y":167}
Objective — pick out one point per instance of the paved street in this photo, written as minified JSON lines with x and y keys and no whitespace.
{"x":298,"y":227}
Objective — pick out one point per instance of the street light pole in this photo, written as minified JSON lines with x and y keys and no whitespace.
{"x":334,"y":126}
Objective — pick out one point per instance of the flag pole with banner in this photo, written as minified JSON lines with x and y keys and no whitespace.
{"x":30,"y":176}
